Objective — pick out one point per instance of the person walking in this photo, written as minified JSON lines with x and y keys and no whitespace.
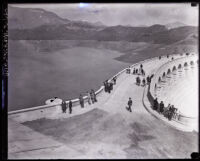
{"x":130,"y":102}
{"x":70,"y":106}
{"x":81,"y":100}
{"x":89,"y":98}
{"x":64,"y":106}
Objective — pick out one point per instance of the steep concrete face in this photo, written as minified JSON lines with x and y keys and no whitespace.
{"x":106,"y":130}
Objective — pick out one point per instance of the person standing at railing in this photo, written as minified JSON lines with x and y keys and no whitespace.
{"x":128,"y":70}
{"x":64,"y":106}
{"x":166,"y":111}
{"x":172,"y":114}
{"x":114,"y":80}
{"x":93,"y":96}
{"x":109,"y":87}
{"x":70,"y":106}
{"x":155,"y":104}
{"x":89,"y":98}
{"x":161,"y":107}
{"x":105,"y":86}
{"x":81,"y":101}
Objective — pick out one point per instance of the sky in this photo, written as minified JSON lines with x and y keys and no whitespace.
{"x":133,"y":14}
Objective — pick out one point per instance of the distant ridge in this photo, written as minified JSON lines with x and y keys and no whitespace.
{"x":38,"y":24}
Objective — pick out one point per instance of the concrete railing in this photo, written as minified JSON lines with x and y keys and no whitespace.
{"x":44,"y":110}
{"x":159,"y":75}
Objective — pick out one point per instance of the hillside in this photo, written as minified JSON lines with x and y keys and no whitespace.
{"x":38,"y":24}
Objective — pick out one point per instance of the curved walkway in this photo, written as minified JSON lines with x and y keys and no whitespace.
{"x":107,"y":130}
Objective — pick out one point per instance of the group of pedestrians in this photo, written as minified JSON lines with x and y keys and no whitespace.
{"x":65,"y":106}
{"x":144,"y":81}
{"x":108,"y":86}
{"x":140,"y":82}
{"x":139,"y":71}
{"x":169,"y":112}
{"x":91,"y":98}
{"x":128,"y":70}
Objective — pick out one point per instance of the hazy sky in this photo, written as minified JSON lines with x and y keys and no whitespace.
{"x":133,"y":14}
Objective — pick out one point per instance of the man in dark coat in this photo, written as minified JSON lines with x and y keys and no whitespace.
{"x":161,"y":107}
{"x":130,"y":102}
{"x":111,"y":86}
{"x":134,"y":71}
{"x":70,"y":106}
{"x":64,"y":106}
{"x":143,"y":81}
{"x":114,"y":80}
{"x":155,"y":104}
{"x":105,"y":86}
{"x":148,"y":79}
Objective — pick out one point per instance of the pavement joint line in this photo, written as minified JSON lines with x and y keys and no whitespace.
{"x":56,"y":146}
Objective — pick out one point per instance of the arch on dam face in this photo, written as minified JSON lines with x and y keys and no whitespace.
{"x":185,"y":64}
{"x":179,"y":66}
{"x":168,"y":71}
{"x":174,"y":68}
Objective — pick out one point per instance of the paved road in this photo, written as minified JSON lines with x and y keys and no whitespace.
{"x":107,"y":130}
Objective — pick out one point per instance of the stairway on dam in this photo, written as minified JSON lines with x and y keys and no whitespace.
{"x":104,"y":130}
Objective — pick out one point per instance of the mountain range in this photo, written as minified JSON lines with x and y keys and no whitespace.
{"x":39,"y":24}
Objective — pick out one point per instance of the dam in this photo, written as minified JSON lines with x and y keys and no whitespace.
{"x":106,"y":129}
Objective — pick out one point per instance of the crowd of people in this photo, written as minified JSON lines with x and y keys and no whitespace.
{"x":91,"y":99}
{"x":91,"y":96}
{"x":169,"y":112}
